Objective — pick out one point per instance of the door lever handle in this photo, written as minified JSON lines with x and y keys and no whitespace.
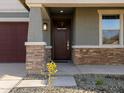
{"x":68,"y":45}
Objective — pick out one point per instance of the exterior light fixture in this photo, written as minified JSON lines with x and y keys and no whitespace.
{"x":61,"y":11}
{"x":45,"y":26}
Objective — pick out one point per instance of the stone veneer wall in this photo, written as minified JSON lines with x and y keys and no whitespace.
{"x":35,"y":59}
{"x":98,"y":55}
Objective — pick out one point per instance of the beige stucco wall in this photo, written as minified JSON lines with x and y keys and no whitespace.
{"x":76,"y":3}
{"x":86,"y":27}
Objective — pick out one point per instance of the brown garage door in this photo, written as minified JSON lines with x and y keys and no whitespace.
{"x":12,"y":38}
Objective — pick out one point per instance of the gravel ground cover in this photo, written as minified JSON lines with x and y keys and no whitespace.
{"x":103,"y":83}
{"x":86,"y":83}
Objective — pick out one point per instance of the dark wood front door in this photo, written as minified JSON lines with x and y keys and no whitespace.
{"x":61,"y":39}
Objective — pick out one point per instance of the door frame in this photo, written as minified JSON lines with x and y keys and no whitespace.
{"x":52,"y":33}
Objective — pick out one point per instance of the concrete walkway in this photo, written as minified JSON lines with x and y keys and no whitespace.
{"x":101,"y":69}
{"x":58,"y":81}
{"x":10,"y":75}
{"x":71,"y":69}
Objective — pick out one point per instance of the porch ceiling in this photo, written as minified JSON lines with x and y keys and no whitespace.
{"x":56,"y":11}
{"x":78,"y":3}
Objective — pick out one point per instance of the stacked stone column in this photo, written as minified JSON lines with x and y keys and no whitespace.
{"x":35,"y":57}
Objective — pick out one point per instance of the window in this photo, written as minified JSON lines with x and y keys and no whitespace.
{"x":111,"y":27}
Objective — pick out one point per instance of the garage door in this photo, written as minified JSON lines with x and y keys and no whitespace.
{"x":12,"y":38}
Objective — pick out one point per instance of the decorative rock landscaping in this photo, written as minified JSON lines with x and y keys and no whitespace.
{"x":103,"y":83}
{"x":86,"y":83}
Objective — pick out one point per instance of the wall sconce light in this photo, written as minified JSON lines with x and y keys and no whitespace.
{"x":45,"y":26}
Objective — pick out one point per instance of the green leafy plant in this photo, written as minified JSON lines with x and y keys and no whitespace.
{"x":99,"y":82}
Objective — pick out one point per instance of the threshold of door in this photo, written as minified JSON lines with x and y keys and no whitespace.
{"x":63,"y":61}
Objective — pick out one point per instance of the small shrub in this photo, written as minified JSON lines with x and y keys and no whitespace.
{"x":99,"y":82}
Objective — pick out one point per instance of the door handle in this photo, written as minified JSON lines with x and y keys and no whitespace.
{"x":68,"y":44}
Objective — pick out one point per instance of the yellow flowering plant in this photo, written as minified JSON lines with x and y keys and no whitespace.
{"x":52,"y":70}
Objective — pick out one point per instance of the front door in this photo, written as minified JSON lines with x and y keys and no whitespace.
{"x":61,"y":39}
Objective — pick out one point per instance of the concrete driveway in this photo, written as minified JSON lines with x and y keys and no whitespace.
{"x":10,"y":75}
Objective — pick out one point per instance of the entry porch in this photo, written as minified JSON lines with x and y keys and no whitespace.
{"x":77,"y":34}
